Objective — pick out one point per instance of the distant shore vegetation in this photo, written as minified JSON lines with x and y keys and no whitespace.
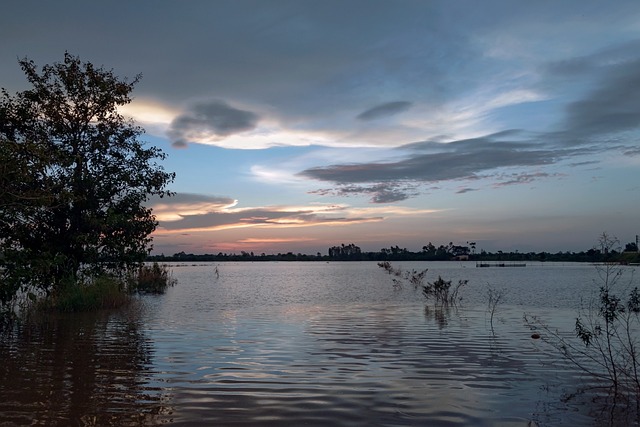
{"x":450,"y":252}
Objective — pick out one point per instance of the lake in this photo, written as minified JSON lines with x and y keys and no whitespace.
{"x":308,"y":343}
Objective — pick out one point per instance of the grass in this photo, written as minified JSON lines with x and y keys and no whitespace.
{"x":105,"y":291}
{"x":152,"y":279}
{"x":99,"y":293}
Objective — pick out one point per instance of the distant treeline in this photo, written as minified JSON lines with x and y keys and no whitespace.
{"x":429,"y":252}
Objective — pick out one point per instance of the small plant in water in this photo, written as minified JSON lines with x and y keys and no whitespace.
{"x":90,"y":294}
{"x":607,"y":329}
{"x":412,"y":277}
{"x":494,"y":298}
{"x":153,"y":279}
{"x":442,"y":293}
{"x":439,"y":291}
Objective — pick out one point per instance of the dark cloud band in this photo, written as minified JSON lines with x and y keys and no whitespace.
{"x":384,"y":110}
{"x":214,"y":119}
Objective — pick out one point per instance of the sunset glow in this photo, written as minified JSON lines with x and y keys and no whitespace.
{"x":296,"y":126}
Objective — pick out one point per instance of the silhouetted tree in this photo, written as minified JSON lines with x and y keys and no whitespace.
{"x":74,"y":178}
{"x":343,"y":251}
{"x":429,"y":249}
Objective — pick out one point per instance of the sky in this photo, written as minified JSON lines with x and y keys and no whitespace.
{"x":297,"y":125}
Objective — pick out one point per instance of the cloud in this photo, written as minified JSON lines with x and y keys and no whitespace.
{"x":524,"y":178}
{"x":338,"y":61}
{"x":456,"y":160}
{"x":264,"y":217}
{"x":210,"y":121}
{"x":181,"y":205}
{"x":609,"y":82}
{"x":254,"y":240}
{"x":613,"y":55}
{"x":604,"y":118}
{"x":585,"y":163}
{"x":632,"y":152}
{"x":380,"y":193}
{"x":466,"y":190}
{"x":429,"y":162}
{"x":191,"y":213}
{"x":186,"y":213}
{"x":149,"y":111}
{"x":614,"y":106}
{"x":384,"y":110}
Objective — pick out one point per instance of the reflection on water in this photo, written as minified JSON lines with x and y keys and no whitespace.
{"x":439,"y":313}
{"x":303,"y":344}
{"x":83,"y":369}
{"x":368,"y":365}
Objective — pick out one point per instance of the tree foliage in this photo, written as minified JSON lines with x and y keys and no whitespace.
{"x":345,"y":252}
{"x":74,"y":178}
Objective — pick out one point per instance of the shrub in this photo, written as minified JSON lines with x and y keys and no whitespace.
{"x":607,"y":329}
{"x":153,"y":279}
{"x":440,"y":291}
{"x":494,"y":298}
{"x":414,"y":278}
{"x":101,"y":292}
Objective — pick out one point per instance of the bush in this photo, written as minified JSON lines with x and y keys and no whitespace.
{"x":89,"y":293}
{"x":607,"y":328}
{"x":154,"y":279}
{"x":414,"y":278}
{"x":99,"y":293}
{"x":440,"y":291}
{"x":494,"y":298}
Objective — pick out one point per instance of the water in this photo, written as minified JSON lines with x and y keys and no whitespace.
{"x":306,"y":344}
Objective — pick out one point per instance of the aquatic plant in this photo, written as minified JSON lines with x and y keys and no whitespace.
{"x":440,"y":291}
{"x":97,"y":293}
{"x":413,"y":277}
{"x":152,"y":279}
{"x":494,"y":298}
{"x":607,"y":330}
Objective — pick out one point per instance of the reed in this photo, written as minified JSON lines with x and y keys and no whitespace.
{"x":99,"y":293}
{"x":152,"y":279}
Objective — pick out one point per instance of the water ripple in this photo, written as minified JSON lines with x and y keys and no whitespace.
{"x":302,"y":344}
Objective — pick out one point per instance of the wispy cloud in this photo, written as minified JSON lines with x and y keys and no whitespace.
{"x":262,"y":241}
{"x":614,"y":106}
{"x":632,"y":151}
{"x":524,"y":178}
{"x":384,"y":110}
{"x":189,"y":213}
{"x":181,"y":205}
{"x":585,"y":163}
{"x":466,"y":190}
{"x":380,"y":193}
{"x":595,"y":62}
{"x":606,"y":118}
{"x":432,"y":162}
